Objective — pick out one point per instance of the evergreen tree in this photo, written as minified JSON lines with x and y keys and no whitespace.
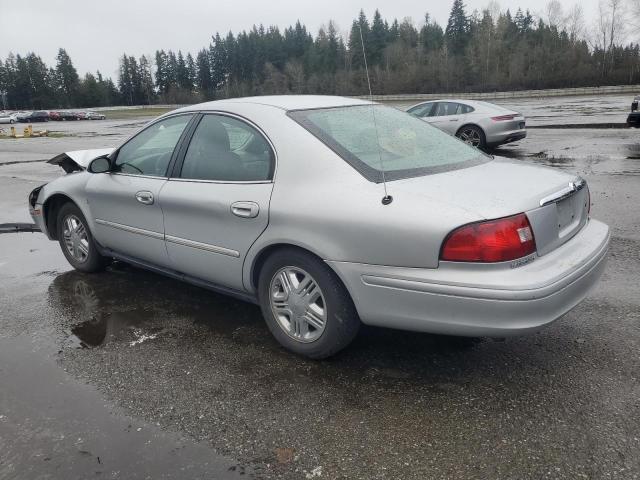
{"x":378,"y":39}
{"x":359,"y":33}
{"x":147,"y":93}
{"x":67,"y":78}
{"x":162,"y":81}
{"x":171,"y":71}
{"x":431,"y":35}
{"x":219,"y":61}
{"x":457,"y":29}
{"x":191,"y":71}
{"x":203,"y":78}
{"x":182,"y":73}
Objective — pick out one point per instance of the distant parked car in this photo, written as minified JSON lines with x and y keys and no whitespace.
{"x":9,"y":118}
{"x":54,"y":115}
{"x":21,"y":115}
{"x":479,"y":124}
{"x":69,"y":115}
{"x":81,"y":115}
{"x":633,"y":120}
{"x":94,"y":116}
{"x":37,"y":116}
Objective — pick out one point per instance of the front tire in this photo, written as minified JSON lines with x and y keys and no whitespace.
{"x":76,"y":240}
{"x":305,"y":305}
{"x":472,"y":135}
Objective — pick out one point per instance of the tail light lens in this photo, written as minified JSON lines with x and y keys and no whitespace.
{"x":498,"y":240}
{"x":503,"y":118}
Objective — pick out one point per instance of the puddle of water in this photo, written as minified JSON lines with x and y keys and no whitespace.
{"x":125,"y":304}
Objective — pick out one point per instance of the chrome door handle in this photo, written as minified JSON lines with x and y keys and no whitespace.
{"x":245,"y":209}
{"x":145,"y":197}
{"x":454,"y":119}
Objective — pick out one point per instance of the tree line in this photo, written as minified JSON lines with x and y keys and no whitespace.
{"x":478,"y":51}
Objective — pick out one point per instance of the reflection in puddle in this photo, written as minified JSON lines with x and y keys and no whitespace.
{"x":109,"y":327}
{"x":132,"y":306}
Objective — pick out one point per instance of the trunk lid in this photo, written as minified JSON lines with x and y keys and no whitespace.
{"x":555,"y":202}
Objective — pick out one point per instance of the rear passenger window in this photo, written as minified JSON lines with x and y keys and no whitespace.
{"x":464,"y":109}
{"x":452,"y":108}
{"x":226,"y":149}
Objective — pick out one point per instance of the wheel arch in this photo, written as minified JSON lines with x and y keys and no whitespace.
{"x":50,"y":209}
{"x":267,"y":250}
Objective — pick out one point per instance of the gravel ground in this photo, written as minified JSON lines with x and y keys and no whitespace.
{"x":134,"y":375}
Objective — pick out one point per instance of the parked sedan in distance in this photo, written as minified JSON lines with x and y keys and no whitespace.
{"x":94,"y":116}
{"x":8,"y":118}
{"x":54,"y":115}
{"x":37,"y":116}
{"x":633,"y":120}
{"x":479,"y":124}
{"x":69,"y":115}
{"x":329,"y":212}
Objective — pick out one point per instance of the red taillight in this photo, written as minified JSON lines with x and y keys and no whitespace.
{"x":503,"y":118}
{"x":498,"y":240}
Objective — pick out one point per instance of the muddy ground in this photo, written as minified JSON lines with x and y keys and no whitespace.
{"x":128,"y":374}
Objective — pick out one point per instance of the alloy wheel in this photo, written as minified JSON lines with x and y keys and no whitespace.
{"x":471,"y":136}
{"x":75,"y":238}
{"x":298,"y":304}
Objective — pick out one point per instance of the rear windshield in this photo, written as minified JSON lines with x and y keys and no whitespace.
{"x":375,"y":138}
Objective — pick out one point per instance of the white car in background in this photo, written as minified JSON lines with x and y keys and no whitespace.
{"x":8,"y":118}
{"x":480,"y":124}
{"x":90,"y":115}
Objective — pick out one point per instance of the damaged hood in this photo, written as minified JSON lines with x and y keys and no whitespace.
{"x":78,"y":159}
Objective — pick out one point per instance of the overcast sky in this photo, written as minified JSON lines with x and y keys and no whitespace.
{"x":96,"y":33}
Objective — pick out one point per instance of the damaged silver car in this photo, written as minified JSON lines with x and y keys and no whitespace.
{"x":329,"y":212}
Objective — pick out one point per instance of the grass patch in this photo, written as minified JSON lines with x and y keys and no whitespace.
{"x":135,"y":112}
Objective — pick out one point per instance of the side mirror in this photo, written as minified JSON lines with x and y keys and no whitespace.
{"x":100,"y":165}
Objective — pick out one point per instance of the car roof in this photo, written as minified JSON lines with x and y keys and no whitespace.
{"x":283,"y":102}
{"x":478,"y":105}
{"x":457,"y":100}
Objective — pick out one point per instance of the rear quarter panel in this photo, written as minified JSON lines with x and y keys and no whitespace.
{"x":321,"y":203}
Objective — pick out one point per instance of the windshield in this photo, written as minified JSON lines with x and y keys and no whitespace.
{"x":373,"y":138}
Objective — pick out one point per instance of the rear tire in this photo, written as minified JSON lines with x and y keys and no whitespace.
{"x":306,"y":306}
{"x":76,"y":240}
{"x":472,"y":135}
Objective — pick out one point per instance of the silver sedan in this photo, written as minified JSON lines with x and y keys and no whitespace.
{"x":329,"y":212}
{"x":480,"y":124}
{"x":8,"y":118}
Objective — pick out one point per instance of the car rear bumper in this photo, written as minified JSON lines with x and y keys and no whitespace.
{"x":479,"y":300}
{"x":496,"y":139}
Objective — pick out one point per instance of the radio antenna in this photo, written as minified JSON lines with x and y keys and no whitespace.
{"x":387,"y":199}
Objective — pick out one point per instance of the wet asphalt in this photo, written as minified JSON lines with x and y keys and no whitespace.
{"x":127,"y":374}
